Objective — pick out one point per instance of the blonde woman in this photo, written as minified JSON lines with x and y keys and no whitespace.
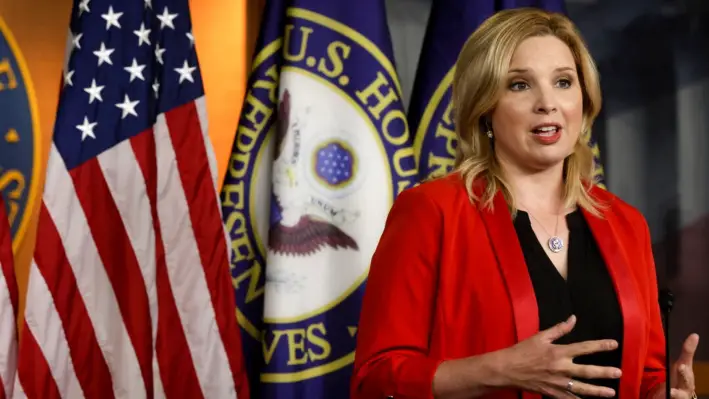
{"x":516,"y":274}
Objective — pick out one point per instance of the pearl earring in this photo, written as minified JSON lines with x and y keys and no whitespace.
{"x":489,"y":134}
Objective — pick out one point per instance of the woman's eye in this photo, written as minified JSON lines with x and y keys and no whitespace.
{"x":564,"y":83}
{"x":518,"y":86}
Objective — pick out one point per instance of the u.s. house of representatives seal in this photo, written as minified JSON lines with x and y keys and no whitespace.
{"x":19,"y":145}
{"x":436,"y":140}
{"x":323,"y":148}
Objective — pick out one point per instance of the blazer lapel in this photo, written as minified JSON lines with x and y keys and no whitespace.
{"x":513,"y":267}
{"x":610,"y":245}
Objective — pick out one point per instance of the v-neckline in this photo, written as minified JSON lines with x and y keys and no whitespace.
{"x":539,"y":248}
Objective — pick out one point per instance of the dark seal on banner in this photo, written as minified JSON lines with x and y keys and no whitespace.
{"x":436,"y":141}
{"x":19,"y":144}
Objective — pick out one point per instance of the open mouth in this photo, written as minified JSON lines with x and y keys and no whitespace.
{"x":547,"y":133}
{"x":547,"y":130}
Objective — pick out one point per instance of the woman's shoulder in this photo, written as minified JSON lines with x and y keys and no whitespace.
{"x":441,"y":192}
{"x":612,"y":205}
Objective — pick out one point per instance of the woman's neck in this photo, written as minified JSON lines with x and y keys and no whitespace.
{"x":540,"y":191}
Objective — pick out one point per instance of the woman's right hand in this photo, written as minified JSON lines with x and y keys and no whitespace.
{"x":538,"y":365}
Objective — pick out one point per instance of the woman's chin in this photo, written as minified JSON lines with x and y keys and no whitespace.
{"x":546,"y":163}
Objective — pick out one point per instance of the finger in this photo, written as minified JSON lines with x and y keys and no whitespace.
{"x":553,"y":391}
{"x":583,"y":389}
{"x":553,"y":333}
{"x":594,"y":372}
{"x":588,"y":347}
{"x":561,"y":394}
{"x":688,"y":349}
{"x":686,"y":377}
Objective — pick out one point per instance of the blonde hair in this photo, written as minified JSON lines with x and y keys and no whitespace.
{"x":480,"y":72}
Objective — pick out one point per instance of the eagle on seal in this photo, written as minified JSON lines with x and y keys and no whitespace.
{"x":310,"y":233}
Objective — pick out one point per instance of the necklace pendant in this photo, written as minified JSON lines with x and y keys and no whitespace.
{"x":556,"y":244}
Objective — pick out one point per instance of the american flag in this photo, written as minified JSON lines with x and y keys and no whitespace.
{"x":129,"y":292}
{"x":8,"y":308}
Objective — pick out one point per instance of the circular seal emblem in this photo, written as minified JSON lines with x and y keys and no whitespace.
{"x":436,"y":142}
{"x":19,"y":126}
{"x":322,"y":150}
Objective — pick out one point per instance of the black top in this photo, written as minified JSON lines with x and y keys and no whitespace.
{"x":588,"y":292}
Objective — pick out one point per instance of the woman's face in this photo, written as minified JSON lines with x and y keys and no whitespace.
{"x":537,"y":120}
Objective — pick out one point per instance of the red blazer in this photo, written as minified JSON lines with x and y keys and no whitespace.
{"x":448,"y":280}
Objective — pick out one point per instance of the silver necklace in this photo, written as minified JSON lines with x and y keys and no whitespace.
{"x":555,"y":243}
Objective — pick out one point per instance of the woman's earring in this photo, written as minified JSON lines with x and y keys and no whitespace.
{"x":489,"y":134}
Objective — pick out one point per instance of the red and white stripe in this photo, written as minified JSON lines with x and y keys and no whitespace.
{"x":8,"y":309}
{"x":129,"y":294}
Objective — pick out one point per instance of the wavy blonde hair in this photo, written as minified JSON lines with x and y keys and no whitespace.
{"x":480,"y":74}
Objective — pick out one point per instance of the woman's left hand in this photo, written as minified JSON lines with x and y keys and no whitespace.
{"x":682,"y":375}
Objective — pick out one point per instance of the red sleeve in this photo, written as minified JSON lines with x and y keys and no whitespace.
{"x":398,"y":305}
{"x":654,"y":369}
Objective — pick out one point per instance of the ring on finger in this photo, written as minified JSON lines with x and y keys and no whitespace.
{"x":570,"y":385}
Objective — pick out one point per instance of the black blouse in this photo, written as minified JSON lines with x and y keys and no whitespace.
{"x":588,"y":292}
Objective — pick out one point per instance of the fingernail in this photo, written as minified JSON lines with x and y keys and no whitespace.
{"x":610,"y":393}
{"x":617,"y":373}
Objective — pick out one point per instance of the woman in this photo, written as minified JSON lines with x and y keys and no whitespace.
{"x":516,"y":274}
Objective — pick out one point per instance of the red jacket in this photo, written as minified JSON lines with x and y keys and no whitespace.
{"x":448,"y":280}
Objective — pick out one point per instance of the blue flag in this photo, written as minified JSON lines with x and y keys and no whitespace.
{"x":450,"y":24}
{"x":322,"y":150}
